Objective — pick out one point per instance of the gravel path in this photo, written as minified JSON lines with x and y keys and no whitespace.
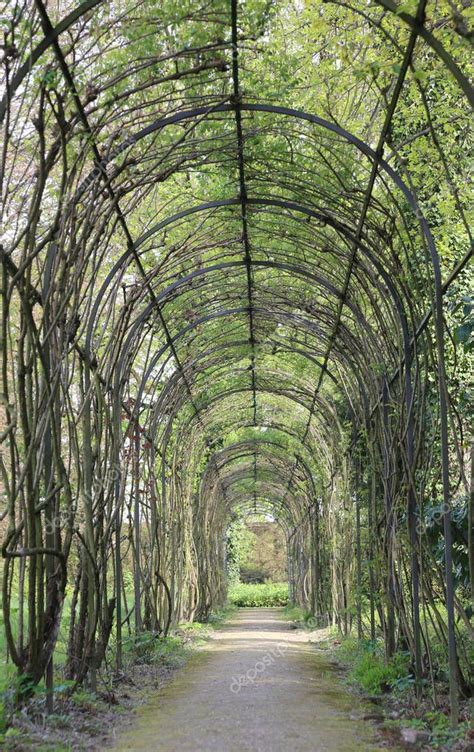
{"x":258,"y":686}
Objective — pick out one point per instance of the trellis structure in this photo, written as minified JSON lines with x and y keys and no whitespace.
{"x":225,"y":273}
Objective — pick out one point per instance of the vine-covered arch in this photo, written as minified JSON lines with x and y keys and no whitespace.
{"x":235,"y":256}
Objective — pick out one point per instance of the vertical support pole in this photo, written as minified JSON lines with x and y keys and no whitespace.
{"x":89,"y":528}
{"x":470,"y":526}
{"x":413,"y":521}
{"x":370,"y":524}
{"x":50,"y":512}
{"x":448,"y":543}
{"x":390,"y":630}
{"x":358,"y":552}
{"x":118,"y":524}
{"x":136,"y":525}
{"x":291,"y":595}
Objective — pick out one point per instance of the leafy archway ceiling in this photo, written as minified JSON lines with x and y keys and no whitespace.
{"x":241,"y":194}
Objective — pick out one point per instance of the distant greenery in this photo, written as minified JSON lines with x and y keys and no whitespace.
{"x":256,"y":550}
{"x":240,"y":541}
{"x":269,"y":594}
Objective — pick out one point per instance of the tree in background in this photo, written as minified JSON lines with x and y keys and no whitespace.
{"x":256,"y":551}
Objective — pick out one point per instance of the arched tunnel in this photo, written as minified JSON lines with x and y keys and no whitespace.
{"x":236,"y":279}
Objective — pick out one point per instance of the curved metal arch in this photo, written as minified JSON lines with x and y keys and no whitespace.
{"x":127,"y":345}
{"x":168,"y":386}
{"x":246,"y":508}
{"x":189,"y":327}
{"x":402,"y":320}
{"x":227,"y":453}
{"x":393,"y":292}
{"x":245,"y":472}
{"x":230,"y":392}
{"x":276,"y":427}
{"x":280,"y":428}
{"x":190,"y":363}
{"x":212,"y":367}
{"x":223,"y":395}
{"x":218,"y":397}
{"x":236,"y":478}
{"x":358,"y":143}
{"x":287,"y":112}
{"x":267,"y":443}
{"x":263,"y":490}
{"x":275,"y":478}
{"x":243,"y":509}
{"x":223,"y":203}
{"x":88,"y":5}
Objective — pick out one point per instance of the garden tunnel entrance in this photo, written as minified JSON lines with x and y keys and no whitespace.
{"x":235,"y":276}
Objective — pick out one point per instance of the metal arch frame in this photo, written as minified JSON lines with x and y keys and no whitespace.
{"x":178,"y":117}
{"x":176,"y":375}
{"x":394,"y":176}
{"x":238,"y":106}
{"x":267,"y":472}
{"x":288,"y":205}
{"x":224,"y":395}
{"x":185,"y":279}
{"x":244,"y":474}
{"x":418,"y":27}
{"x":88,"y":5}
{"x":264,"y":506}
{"x":379,"y":162}
{"x":279,"y":203}
{"x":228,"y":456}
{"x":279,"y":428}
{"x":275,"y":429}
{"x":189,"y":327}
{"x":186,"y":427}
{"x":304,"y":324}
{"x":230,"y":392}
{"x":171,"y":417}
{"x":300,"y":115}
{"x":250,"y":446}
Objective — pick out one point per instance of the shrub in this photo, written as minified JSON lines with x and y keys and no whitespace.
{"x":296,"y":613}
{"x":375,"y":675}
{"x":149,"y":648}
{"x":258,"y":595}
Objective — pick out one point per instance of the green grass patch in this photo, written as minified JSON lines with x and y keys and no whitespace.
{"x":220,"y":615}
{"x":259,"y":595}
{"x":302,"y":618}
{"x":295,"y":613}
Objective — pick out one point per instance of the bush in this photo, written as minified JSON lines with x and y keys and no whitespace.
{"x":374,"y":675}
{"x":269,"y":594}
{"x":149,"y":648}
{"x":296,"y":613}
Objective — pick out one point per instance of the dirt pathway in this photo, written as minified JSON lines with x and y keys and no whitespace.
{"x":258,"y":686}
